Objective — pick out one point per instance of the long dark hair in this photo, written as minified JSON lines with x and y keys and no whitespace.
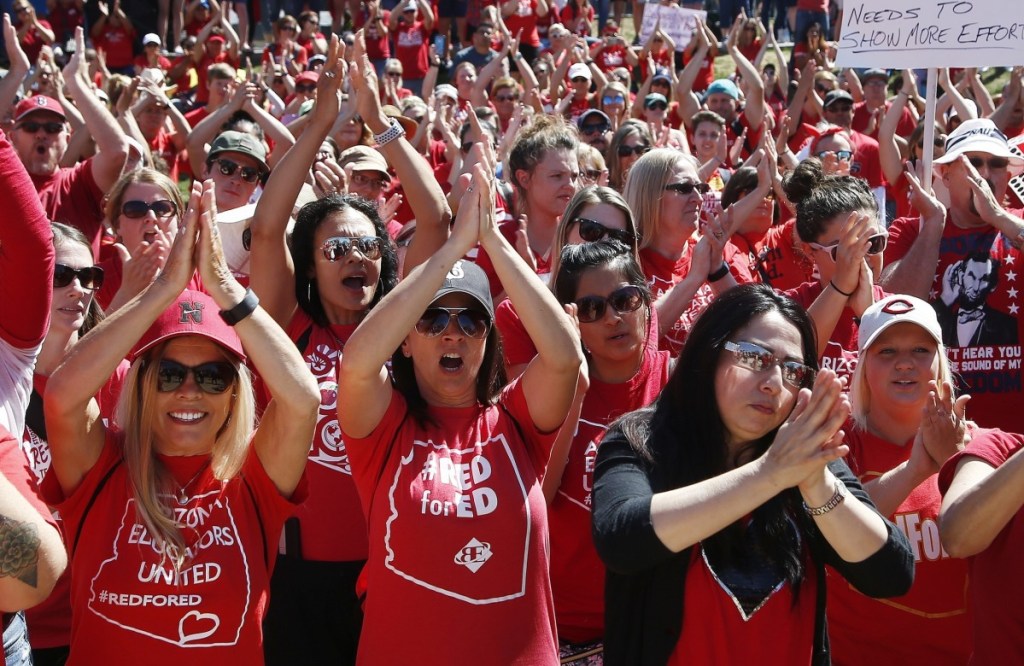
{"x":303,"y":235}
{"x":64,"y":234}
{"x":576,"y":260}
{"x":682,"y":440}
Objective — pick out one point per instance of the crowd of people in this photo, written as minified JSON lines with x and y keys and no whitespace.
{"x":503,"y":339}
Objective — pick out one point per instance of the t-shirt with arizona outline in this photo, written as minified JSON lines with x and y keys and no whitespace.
{"x":577,"y":573}
{"x":931,"y":624}
{"x":458,"y":567}
{"x":331,"y":520}
{"x":131,"y":607}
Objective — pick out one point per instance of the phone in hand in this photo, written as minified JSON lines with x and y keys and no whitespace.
{"x":441,"y":46}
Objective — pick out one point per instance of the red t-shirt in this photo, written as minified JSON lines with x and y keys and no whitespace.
{"x":161,"y":62}
{"x":777,"y":262}
{"x":377,"y":43}
{"x":116,"y":40}
{"x":508,"y":229}
{"x":64,"y":20}
{"x":458,"y":535}
{"x":981,"y":331}
{"x":202,"y":74}
{"x":573,"y":19}
{"x":611,"y":56}
{"x":663,"y":274}
{"x":717,"y":631}
{"x":861,"y":116}
{"x":72,"y":196}
{"x":309,"y":43}
{"x":994,"y":573}
{"x":866,"y":162}
{"x":130,"y":606}
{"x":577,"y":573}
{"x":332,"y":523}
{"x":706,"y":75}
{"x":841,"y":350}
{"x":812,"y":5}
{"x":662,"y":58}
{"x":297,"y":54}
{"x":32,"y":42}
{"x":524,"y":18}
{"x":931,"y":624}
{"x":412,"y":49}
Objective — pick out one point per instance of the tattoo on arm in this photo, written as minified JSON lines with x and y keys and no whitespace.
{"x":19,"y":550}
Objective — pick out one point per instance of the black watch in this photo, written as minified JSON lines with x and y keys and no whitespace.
{"x":722,"y":271}
{"x":246,"y":307}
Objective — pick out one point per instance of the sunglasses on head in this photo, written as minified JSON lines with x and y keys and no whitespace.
{"x":214,"y":377}
{"x":623,"y":300}
{"x":688,"y":187}
{"x":592,"y":231}
{"x":90,"y":277}
{"x":840,"y":154}
{"x":638,"y":150}
{"x":876,"y":245}
{"x":338,"y":247}
{"x":32,"y":127}
{"x":993,"y":163}
{"x":162,"y":208}
{"x":435,"y":321}
{"x":757,"y":358}
{"x":248,"y":174}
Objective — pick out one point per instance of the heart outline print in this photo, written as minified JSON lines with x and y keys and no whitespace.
{"x":185,"y":638}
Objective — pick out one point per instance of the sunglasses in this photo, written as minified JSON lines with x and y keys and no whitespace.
{"x":162,"y":208}
{"x":613,"y":99}
{"x":32,"y":127}
{"x":592,"y":231}
{"x":394,"y":75}
{"x":506,"y":98}
{"x":840,"y":154}
{"x":214,"y":377}
{"x":90,"y":277}
{"x":993,"y":163}
{"x":581,"y":79}
{"x":688,"y":187}
{"x":657,"y":106}
{"x":757,"y":358}
{"x":638,"y":150}
{"x":623,"y":300}
{"x":305,"y":88}
{"x":592,"y":174}
{"x":590,"y":130}
{"x":338,"y":247}
{"x":435,"y":321}
{"x":248,"y":174}
{"x":876,"y":245}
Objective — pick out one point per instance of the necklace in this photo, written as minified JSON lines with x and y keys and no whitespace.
{"x":182,"y":494}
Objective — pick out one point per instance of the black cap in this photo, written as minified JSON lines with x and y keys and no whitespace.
{"x":837,"y":95}
{"x":875,"y":73}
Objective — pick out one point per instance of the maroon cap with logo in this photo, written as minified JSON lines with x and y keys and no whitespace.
{"x":192,"y":313}
{"x":37,"y":103}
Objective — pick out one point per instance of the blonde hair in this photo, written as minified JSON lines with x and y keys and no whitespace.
{"x":149,"y":479}
{"x":144,"y":175}
{"x":646,"y":186}
{"x":860,"y":393}
{"x":593,"y":194}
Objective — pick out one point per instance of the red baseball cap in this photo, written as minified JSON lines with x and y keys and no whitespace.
{"x":37,"y":103}
{"x":192,"y":313}
{"x":307,"y":77}
{"x":216,"y":38}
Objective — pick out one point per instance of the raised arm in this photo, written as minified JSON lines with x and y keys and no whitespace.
{"x":889,"y":152}
{"x":10,"y":84}
{"x":750,"y":81}
{"x":1011,"y":96}
{"x":272,"y":128}
{"x":209,"y":127}
{"x":272,"y":274}
{"x":111,"y":144}
{"x":914,"y":272}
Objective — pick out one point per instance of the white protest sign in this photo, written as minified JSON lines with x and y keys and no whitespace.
{"x":932,"y":33}
{"x":676,"y":22}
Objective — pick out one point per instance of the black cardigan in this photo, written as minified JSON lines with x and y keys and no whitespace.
{"x":645,"y":581}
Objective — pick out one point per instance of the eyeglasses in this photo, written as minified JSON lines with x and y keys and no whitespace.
{"x":32,"y":127}
{"x":162,"y":208}
{"x":366,"y":181}
{"x":248,"y":174}
{"x":876,"y":245}
{"x":623,"y":300}
{"x":90,"y":277}
{"x":840,"y":154}
{"x":688,"y":187}
{"x":638,"y":150}
{"x":338,"y":247}
{"x":592,"y":231}
{"x":306,"y":88}
{"x":613,"y":99}
{"x":506,"y":98}
{"x":993,"y":163}
{"x":590,"y":130}
{"x":757,"y":358}
{"x":214,"y":377}
{"x":435,"y":321}
{"x":657,"y":106}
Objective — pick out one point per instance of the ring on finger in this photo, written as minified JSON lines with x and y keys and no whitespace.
{"x":329,"y":74}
